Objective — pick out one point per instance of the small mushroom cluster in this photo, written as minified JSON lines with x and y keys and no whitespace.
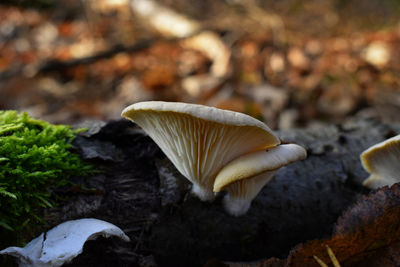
{"x":382,"y":161}
{"x":215,"y":149}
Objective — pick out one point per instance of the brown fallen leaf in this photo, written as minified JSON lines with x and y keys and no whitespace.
{"x":367,"y":234}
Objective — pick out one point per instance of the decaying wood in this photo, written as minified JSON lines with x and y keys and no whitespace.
{"x":142,"y":193}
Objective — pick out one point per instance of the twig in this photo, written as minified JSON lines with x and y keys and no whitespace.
{"x":331,"y":256}
{"x":56,"y":65}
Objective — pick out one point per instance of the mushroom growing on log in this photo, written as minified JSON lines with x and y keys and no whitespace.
{"x":201,"y":141}
{"x":382,"y":161}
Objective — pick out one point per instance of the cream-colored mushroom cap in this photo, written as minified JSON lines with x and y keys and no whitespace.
{"x":382,"y":161}
{"x":200,"y":140}
{"x":62,"y":243}
{"x":245,"y":176}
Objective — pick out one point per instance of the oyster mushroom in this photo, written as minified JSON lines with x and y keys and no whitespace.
{"x":382,"y":161}
{"x":200,"y":140}
{"x":245,"y":176}
{"x":62,"y":243}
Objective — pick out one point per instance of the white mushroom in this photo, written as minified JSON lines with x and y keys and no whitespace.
{"x":62,"y":243}
{"x":200,"y":140}
{"x":245,"y":176}
{"x":382,"y":161}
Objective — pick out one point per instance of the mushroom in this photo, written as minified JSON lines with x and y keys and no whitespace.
{"x":200,"y":140}
{"x":382,"y":161}
{"x":62,"y":243}
{"x":245,"y":176}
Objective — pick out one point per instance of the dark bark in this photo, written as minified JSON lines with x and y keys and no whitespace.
{"x":141,"y":192}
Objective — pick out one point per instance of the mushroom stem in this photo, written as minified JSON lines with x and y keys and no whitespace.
{"x":236,"y":206}
{"x":203,"y":193}
{"x":241,"y":193}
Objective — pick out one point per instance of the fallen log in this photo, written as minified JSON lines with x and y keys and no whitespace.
{"x":140,"y":191}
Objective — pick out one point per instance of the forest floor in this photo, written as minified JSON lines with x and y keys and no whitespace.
{"x":287,"y":62}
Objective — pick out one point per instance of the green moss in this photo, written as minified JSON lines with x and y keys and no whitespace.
{"x":35,"y":156}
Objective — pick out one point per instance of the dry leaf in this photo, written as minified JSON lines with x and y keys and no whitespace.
{"x":368,"y":234}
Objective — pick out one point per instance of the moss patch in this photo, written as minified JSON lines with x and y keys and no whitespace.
{"x":35,"y":156}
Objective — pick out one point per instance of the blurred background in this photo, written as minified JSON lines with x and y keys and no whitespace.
{"x":288,"y":62}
